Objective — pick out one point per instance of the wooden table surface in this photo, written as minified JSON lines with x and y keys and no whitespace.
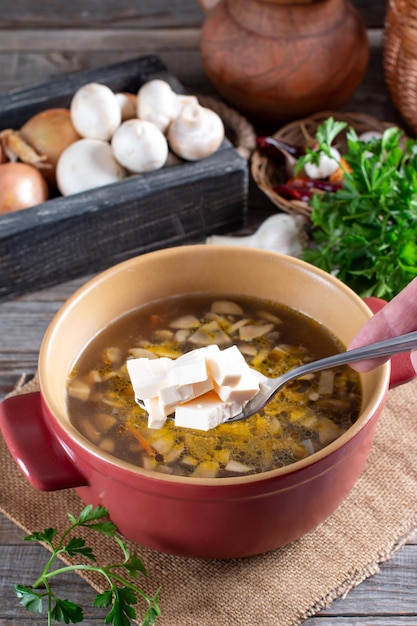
{"x":389,"y":598}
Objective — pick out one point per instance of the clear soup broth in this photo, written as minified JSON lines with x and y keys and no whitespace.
{"x":304,"y":416}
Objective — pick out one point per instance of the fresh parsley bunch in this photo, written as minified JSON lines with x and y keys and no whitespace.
{"x":366,"y":232}
{"x":121,"y":596}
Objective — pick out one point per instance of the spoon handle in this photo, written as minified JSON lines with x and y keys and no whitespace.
{"x":385,"y":348}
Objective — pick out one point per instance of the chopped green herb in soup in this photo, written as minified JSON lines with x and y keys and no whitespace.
{"x":304,"y":416}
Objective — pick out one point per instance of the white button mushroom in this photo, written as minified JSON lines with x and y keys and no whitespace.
{"x":183,"y":100}
{"x":158,"y":103}
{"x":86,"y":164}
{"x":95,"y":111}
{"x":140,"y":146}
{"x":196,"y":133}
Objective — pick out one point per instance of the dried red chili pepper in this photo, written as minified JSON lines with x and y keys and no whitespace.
{"x":294,"y":192}
{"x":315,"y":183}
{"x":273,"y":147}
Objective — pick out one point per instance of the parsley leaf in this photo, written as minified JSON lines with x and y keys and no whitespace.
{"x":328,"y":131}
{"x":121,"y":597}
{"x":325,"y":135}
{"x":46,"y":536}
{"x":76,"y":545}
{"x":30,"y":599}
{"x":366,"y":232}
{"x":121,"y":600}
{"x":67,"y":612}
{"x":134,"y":565}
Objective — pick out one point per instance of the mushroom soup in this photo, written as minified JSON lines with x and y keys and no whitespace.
{"x":304,"y":416}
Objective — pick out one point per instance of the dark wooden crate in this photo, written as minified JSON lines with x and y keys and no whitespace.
{"x":71,"y":236}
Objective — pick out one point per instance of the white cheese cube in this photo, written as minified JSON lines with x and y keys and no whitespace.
{"x":205,"y":412}
{"x":261,"y":377}
{"x":172,"y":396}
{"x":148,"y":376}
{"x":156,"y":418}
{"x":189,"y":368}
{"x":226,"y":367}
{"x":210,"y":351}
{"x":245,"y":390}
{"x":202,"y":387}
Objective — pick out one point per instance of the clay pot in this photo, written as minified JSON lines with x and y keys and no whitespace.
{"x":278,"y":61}
{"x":197,"y":517}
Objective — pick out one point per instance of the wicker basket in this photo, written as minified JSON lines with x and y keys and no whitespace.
{"x":266,"y":172}
{"x":400,"y":58}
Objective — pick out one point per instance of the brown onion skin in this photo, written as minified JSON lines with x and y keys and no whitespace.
{"x":21,"y":186}
{"x":49,"y":133}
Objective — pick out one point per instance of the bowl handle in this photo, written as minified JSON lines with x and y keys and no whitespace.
{"x":402,"y":370}
{"x":36,"y":450}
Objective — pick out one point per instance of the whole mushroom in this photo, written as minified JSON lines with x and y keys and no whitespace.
{"x":139,"y":146}
{"x":86,"y":164}
{"x":95,"y":111}
{"x":158,"y":103}
{"x":196,"y":133}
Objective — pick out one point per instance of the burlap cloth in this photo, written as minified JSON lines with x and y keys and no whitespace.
{"x":286,"y":586}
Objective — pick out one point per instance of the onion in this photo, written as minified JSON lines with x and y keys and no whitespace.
{"x":49,"y":133}
{"x":21,"y":186}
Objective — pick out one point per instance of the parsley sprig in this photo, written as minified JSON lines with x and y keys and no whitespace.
{"x":326,"y":133}
{"x":366,"y":232}
{"x":121,"y":596}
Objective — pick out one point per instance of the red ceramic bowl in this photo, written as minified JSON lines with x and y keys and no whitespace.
{"x":209,"y":518}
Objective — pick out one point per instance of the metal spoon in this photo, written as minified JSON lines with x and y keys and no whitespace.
{"x":388,"y":347}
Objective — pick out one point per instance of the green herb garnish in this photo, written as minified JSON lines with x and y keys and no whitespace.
{"x":366,"y":232}
{"x":121,"y":596}
{"x":325,"y":135}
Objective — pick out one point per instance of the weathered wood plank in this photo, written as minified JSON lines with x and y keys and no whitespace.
{"x":34,"y":558}
{"x":14,"y":40}
{"x":182,"y":58}
{"x":22,"y":69}
{"x":394,"y":586}
{"x":28,"y":57}
{"x":124,"y":13}
{"x":95,"y":14}
{"x":389,"y":599}
{"x":358,"y":620}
